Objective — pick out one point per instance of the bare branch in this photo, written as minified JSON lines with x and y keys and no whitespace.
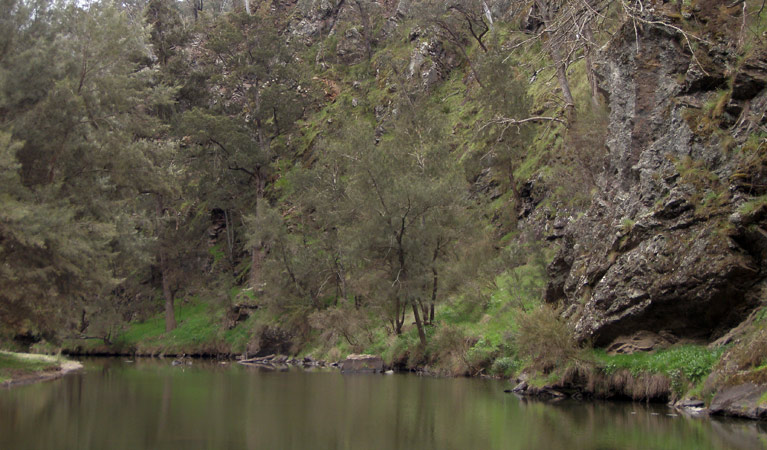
{"x":636,"y":18}
{"x":510,"y":122}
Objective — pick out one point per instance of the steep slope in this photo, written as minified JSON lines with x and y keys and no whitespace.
{"x":673,"y":242}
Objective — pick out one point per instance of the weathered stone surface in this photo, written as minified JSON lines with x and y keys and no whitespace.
{"x":429,"y":62}
{"x":740,"y":401}
{"x":521,"y":387}
{"x":357,"y":363}
{"x":642,"y":341}
{"x":351,"y":48}
{"x":645,"y":256}
{"x":751,"y":78}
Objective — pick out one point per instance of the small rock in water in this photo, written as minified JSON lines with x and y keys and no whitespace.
{"x":692,"y":403}
{"x":358,"y":363}
{"x":521,"y":387}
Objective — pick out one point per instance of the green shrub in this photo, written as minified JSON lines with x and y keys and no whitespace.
{"x":505,"y":366}
{"x":448,"y":348}
{"x":480,"y":356}
{"x":546,"y":339}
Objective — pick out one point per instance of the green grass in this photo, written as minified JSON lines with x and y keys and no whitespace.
{"x":692,"y":361}
{"x":752,"y":205}
{"x":199,"y":330}
{"x":13,"y":365}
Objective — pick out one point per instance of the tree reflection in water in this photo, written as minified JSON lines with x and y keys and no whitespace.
{"x":152,"y":404}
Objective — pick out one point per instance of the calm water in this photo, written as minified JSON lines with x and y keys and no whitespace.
{"x":152,"y":404}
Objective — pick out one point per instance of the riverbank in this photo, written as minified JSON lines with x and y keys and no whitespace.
{"x":24,"y":368}
{"x":539,"y":359}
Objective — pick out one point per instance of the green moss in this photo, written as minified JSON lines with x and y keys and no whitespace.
{"x":752,"y":205}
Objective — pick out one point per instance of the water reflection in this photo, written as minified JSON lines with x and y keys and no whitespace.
{"x":151,"y":404}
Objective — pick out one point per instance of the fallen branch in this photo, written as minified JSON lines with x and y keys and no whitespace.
{"x":509,"y":122}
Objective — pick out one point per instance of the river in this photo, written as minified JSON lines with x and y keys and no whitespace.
{"x":151,"y":404}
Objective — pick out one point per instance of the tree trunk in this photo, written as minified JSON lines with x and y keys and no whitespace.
{"x":399,"y":320}
{"x":229,"y":237}
{"x":590,"y":75}
{"x":419,"y":324}
{"x":257,"y":252}
{"x":167,"y":292}
{"x":564,"y":84}
{"x":366,"y":31}
{"x":547,"y":12}
{"x":170,"y":314}
{"x":435,"y":284}
{"x":431,"y":313}
{"x":256,"y":262}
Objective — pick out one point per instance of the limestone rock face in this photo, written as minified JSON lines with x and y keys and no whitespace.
{"x":654,"y":252}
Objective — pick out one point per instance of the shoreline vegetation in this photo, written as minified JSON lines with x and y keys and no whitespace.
{"x":687,"y":376}
{"x":18,"y":369}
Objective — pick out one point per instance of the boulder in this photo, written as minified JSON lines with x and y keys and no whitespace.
{"x":356,"y":363}
{"x":743,"y":400}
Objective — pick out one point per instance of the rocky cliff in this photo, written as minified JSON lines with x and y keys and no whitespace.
{"x":671,"y":243}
